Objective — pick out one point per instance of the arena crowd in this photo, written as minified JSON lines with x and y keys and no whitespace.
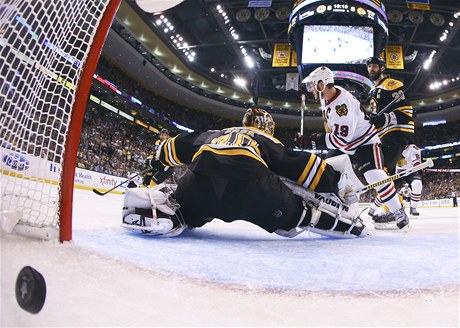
{"x":113,"y":145}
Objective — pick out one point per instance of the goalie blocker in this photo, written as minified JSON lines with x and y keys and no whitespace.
{"x":153,"y":211}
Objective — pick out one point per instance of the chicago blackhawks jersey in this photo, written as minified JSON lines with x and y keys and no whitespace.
{"x":400,"y":111}
{"x":347,"y":124}
{"x":246,"y":153}
{"x":411,"y":156}
{"x":405,"y":191}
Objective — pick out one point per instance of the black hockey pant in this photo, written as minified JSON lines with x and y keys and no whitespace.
{"x":263,"y":201}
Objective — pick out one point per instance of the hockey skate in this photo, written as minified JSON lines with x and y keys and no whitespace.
{"x":384,"y":221}
{"x":391,"y":221}
{"x":413,"y":211}
{"x":402,"y":220}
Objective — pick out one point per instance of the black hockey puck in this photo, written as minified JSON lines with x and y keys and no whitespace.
{"x":30,"y":290}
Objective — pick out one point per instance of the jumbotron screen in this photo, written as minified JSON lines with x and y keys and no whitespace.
{"x":337,"y":44}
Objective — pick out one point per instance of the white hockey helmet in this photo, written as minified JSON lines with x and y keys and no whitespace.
{"x":322,"y":73}
{"x":260,"y":119}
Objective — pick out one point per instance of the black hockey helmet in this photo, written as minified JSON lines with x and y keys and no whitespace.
{"x":164,"y":131}
{"x":375,"y":60}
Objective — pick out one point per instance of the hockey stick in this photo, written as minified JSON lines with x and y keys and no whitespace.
{"x":424,"y":165}
{"x":302,"y":110}
{"x":100,"y":193}
{"x":399,"y":95}
{"x":444,"y":170}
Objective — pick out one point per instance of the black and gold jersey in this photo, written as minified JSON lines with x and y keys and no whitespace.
{"x":401,"y":112}
{"x":246,"y":153}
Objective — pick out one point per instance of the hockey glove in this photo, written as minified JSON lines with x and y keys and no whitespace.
{"x":381,"y":120}
{"x":314,"y":141}
{"x":152,"y":164}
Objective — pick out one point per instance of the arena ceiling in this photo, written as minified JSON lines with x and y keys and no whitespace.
{"x":218,"y":56}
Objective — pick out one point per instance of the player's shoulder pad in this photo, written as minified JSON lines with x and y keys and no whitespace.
{"x":391,"y":84}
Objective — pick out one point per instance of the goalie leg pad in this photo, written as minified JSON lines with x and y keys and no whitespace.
{"x":343,"y":164}
{"x":324,"y":224}
{"x":326,"y":202}
{"x":152,"y":211}
{"x":164,"y":225}
{"x":137,"y":198}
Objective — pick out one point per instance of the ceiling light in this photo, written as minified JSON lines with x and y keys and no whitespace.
{"x":158,"y":22}
{"x":427,"y":63}
{"x":249,"y":61}
{"x":240,"y":81}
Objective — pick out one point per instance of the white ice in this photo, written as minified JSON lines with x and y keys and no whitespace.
{"x":236,"y":275}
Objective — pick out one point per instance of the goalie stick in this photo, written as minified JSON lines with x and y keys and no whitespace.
{"x":424,"y":165}
{"x":100,"y":193}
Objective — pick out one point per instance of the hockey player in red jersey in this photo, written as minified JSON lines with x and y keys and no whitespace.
{"x":234,"y":174}
{"x":349,"y":131}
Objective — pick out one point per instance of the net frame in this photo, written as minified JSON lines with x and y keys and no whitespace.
{"x":78,"y":85}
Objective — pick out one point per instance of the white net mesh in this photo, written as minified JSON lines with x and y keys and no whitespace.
{"x":43,"y":48}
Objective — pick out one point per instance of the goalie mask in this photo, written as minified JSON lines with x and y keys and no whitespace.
{"x":260,"y":119}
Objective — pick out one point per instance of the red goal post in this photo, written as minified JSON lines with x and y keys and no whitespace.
{"x":48,"y":54}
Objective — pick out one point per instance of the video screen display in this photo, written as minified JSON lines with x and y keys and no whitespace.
{"x":337,"y":44}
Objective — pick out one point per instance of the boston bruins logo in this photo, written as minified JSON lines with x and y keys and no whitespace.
{"x":391,"y":84}
{"x":341,"y":110}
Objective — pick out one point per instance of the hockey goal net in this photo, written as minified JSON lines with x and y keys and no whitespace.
{"x":48,"y":53}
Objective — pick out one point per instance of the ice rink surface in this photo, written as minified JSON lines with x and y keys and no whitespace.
{"x":236,"y":275}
